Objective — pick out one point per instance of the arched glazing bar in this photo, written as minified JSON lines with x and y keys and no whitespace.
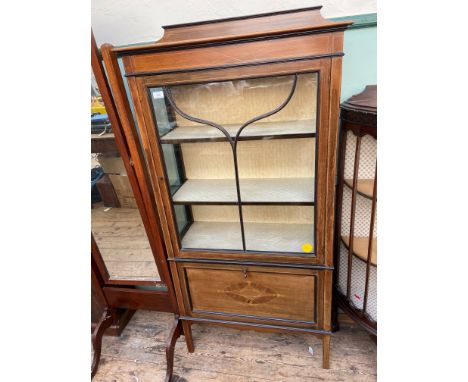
{"x":233,"y":141}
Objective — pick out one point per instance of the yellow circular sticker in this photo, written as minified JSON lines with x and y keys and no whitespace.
{"x":307,"y":247}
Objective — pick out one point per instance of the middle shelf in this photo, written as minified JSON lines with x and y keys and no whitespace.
{"x":253,"y":191}
{"x":365,"y":187}
{"x":361,"y":247}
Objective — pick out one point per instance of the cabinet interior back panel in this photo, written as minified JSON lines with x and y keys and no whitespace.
{"x":276,"y":158}
{"x":235,"y":102}
{"x":255,"y":214}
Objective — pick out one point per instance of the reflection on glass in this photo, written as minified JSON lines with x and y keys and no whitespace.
{"x":240,"y":158}
{"x":115,"y":219}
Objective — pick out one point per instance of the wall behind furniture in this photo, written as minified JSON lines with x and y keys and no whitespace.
{"x":122,"y":22}
{"x":360,"y":60}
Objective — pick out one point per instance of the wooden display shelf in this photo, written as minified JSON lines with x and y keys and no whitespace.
{"x":360,"y":248}
{"x":253,"y":191}
{"x":260,"y":130}
{"x":365,"y":187}
{"x":270,"y":237}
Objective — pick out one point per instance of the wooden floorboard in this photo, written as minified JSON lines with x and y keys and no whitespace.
{"x":229,"y":355}
{"x":124,"y":246}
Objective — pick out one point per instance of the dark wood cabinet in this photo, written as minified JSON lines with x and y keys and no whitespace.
{"x":356,"y":223}
{"x":238,"y":119}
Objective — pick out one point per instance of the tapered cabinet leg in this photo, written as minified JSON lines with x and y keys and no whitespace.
{"x":187,"y":329}
{"x":96,"y":338}
{"x":175,"y":333}
{"x":326,"y":352}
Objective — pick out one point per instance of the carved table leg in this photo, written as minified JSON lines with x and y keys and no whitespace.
{"x":96,"y":338}
{"x":175,"y":333}
{"x":187,"y":329}
{"x":326,"y":352}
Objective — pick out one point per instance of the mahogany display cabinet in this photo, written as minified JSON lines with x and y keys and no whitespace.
{"x":356,"y":222}
{"x":129,"y":268}
{"x":238,"y":118}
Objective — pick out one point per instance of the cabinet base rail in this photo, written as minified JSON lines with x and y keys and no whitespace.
{"x":182,"y":325}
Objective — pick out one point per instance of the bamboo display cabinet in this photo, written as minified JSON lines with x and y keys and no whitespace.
{"x":239,"y":122}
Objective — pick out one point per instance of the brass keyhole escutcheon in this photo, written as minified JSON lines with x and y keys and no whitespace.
{"x":244,"y":271}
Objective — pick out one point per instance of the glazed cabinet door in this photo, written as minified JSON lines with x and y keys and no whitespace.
{"x":237,"y":161}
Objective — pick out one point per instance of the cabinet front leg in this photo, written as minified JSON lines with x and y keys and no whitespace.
{"x":326,"y":352}
{"x":96,"y":338}
{"x":187,"y":328}
{"x":175,"y":333}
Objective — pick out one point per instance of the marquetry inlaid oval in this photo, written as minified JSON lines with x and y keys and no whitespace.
{"x":250,"y":292}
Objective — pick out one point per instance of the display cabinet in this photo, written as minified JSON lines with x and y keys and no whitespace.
{"x":238,"y":118}
{"x":356,"y":223}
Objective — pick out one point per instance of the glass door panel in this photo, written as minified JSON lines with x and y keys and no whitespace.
{"x":201,"y":178}
{"x":115,"y":219}
{"x":245,"y":154}
{"x":278,"y":175}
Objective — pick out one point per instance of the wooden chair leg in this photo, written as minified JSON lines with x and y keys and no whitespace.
{"x":326,"y":352}
{"x":187,"y":329}
{"x":175,"y":333}
{"x":96,"y":338}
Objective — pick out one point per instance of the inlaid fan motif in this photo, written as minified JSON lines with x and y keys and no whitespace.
{"x":250,"y":292}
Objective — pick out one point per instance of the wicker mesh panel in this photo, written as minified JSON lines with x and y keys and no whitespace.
{"x":362,"y":214}
{"x":343,"y":269}
{"x":375,"y":221}
{"x":358,"y":282}
{"x":363,"y":217}
{"x":346,"y":211}
{"x":367,"y":157}
{"x":349,"y":155}
{"x":372,"y":296}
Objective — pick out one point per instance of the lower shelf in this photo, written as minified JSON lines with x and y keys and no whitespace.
{"x":269,"y":237}
{"x":361,"y":247}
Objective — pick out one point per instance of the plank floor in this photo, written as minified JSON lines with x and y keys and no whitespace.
{"x":124,"y":246}
{"x":223,"y":354}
